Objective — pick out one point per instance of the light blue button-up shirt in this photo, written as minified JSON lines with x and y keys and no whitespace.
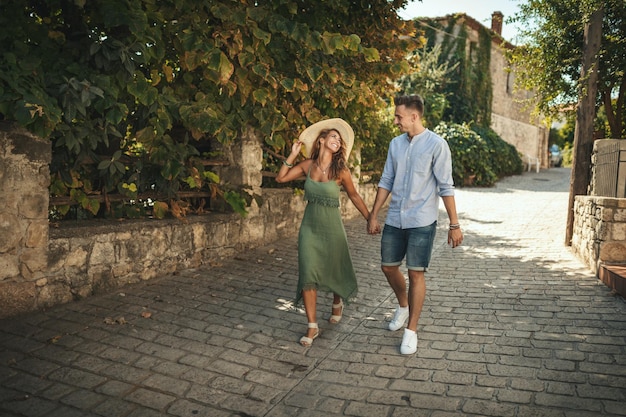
{"x":417,"y":172}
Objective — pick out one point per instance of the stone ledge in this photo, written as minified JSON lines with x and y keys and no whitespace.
{"x":614,"y":276}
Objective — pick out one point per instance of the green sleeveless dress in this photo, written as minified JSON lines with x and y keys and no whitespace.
{"x":324,"y":260}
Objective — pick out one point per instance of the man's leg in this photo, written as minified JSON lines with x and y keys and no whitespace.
{"x":398,"y":284}
{"x":417,"y":294}
{"x":396,"y":280}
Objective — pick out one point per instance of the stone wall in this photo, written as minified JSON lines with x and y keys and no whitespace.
{"x":599,"y":232}
{"x":511,"y":117}
{"x":24,"y":181}
{"x":41,"y":266}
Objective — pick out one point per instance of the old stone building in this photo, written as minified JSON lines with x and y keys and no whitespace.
{"x":511,"y":117}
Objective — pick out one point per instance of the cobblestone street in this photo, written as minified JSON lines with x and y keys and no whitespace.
{"x":513,"y":325}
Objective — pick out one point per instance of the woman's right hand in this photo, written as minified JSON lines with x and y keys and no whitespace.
{"x":296,"y":148}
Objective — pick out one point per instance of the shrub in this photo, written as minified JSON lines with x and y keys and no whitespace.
{"x":504,"y":158}
{"x":470,"y":155}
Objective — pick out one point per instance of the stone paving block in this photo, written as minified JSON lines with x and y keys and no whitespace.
{"x":432,"y":402}
{"x":198,"y":376}
{"x":475,"y":392}
{"x":388,"y":397}
{"x":229,"y":368}
{"x":488,"y":408}
{"x":125,"y":373}
{"x":76,"y":378}
{"x":34,"y":366}
{"x":165,"y":352}
{"x":185,"y":408}
{"x":355,"y":408}
{"x":187,"y":362}
{"x":66,"y":411}
{"x":120,"y":355}
{"x":448,"y":377}
{"x":271,"y":379}
{"x":567,"y":401}
{"x":242,"y":406}
{"x":166,"y":384}
{"x":302,"y":400}
{"x":83,"y":399}
{"x":513,"y":371}
{"x":422,"y":387}
{"x":614,"y":408}
{"x":527,"y":384}
{"x":145,"y":412}
{"x":416,"y":412}
{"x":114,"y":388}
{"x":114,"y":407}
{"x":150,"y":398}
{"x":28,"y":406}
{"x":56,"y":391}
{"x":56,"y":354}
{"x":514,"y":396}
{"x":345,"y":392}
{"x":231,"y":385}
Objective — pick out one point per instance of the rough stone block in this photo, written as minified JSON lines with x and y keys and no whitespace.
{"x":10,"y":230}
{"x":9,"y":266}
{"x":37,"y":234}
{"x":16,"y":297}
{"x":33,"y":259}
{"x":618,"y":231}
{"x":613,"y":251}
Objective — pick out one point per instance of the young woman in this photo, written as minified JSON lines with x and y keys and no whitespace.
{"x":324,"y":261}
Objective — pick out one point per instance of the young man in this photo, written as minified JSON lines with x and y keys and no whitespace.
{"x":418,"y":170}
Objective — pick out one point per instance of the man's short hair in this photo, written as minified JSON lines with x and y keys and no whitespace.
{"x":413,"y":101}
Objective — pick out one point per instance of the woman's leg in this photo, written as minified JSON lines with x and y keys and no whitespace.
{"x":309,"y":299}
{"x":337,"y":311}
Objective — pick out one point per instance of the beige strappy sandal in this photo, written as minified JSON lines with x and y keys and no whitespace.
{"x":334,"y":319}
{"x":308,"y":341}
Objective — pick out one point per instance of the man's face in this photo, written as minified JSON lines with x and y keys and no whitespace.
{"x":404,"y":118}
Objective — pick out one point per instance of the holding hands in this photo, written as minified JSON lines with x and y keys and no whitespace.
{"x":373,"y":227}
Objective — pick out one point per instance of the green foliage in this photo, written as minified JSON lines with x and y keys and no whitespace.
{"x":430,"y":82}
{"x":374,"y":150}
{"x":565,"y":133}
{"x":471,"y":155}
{"x":504,"y":159}
{"x":126,"y":89}
{"x":549,"y":61}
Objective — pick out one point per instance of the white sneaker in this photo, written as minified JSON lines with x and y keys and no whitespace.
{"x":400,"y":318}
{"x":409,"y":342}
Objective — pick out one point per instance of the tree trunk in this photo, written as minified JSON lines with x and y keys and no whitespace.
{"x":585,"y":115}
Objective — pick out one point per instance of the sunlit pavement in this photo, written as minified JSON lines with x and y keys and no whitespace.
{"x":513,"y":325}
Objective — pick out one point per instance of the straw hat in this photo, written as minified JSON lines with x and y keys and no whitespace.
{"x":311,"y":133}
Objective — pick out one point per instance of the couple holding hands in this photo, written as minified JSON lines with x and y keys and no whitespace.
{"x":418,"y":171}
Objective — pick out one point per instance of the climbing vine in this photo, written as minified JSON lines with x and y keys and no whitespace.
{"x":468,"y":90}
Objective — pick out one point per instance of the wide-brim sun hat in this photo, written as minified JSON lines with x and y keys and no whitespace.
{"x":311,"y":133}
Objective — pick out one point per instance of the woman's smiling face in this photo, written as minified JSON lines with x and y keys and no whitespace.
{"x":333,"y":141}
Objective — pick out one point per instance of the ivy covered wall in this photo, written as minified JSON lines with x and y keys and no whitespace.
{"x":469,"y":91}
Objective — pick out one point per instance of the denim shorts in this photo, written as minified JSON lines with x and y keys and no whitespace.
{"x":415,"y":243}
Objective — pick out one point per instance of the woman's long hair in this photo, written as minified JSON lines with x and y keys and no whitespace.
{"x":338,"y":162}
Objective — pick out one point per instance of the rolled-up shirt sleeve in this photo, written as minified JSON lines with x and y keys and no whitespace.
{"x":442,"y":169}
